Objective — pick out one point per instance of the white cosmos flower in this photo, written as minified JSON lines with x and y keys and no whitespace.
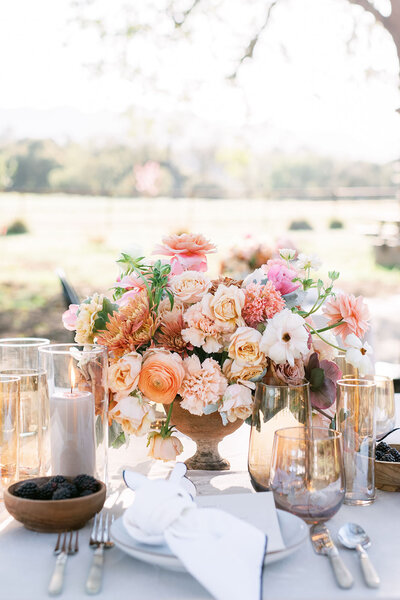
{"x":311,"y":261}
{"x":287,"y":253}
{"x":285,"y":337}
{"x":358,"y":354}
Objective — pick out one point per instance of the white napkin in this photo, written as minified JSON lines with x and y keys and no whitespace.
{"x":224,"y":553}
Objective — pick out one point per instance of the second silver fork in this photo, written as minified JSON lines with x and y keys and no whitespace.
{"x":99,"y":538}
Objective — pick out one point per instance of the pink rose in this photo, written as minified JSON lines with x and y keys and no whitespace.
{"x":188,"y":262}
{"x":187,"y":251}
{"x":70,"y":316}
{"x":164,"y":448}
{"x":282,"y":276}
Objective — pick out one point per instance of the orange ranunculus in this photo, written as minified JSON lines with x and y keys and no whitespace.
{"x":161,"y":375}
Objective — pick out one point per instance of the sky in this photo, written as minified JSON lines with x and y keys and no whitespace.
{"x":304,"y":89}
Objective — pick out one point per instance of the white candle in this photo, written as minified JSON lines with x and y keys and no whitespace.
{"x":72,"y":433}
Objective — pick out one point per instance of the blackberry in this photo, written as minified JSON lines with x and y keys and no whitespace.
{"x":58,"y":479}
{"x":45,"y":491}
{"x":379,"y":455}
{"x":395,"y":453}
{"x":383,"y":447}
{"x":65,"y":492}
{"x":85,"y":493}
{"x":86,"y":482}
{"x":27,"y":490}
{"x":388,"y":458}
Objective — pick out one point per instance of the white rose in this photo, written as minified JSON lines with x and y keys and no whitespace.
{"x":190,"y":286}
{"x":237,"y":402}
{"x":133,"y":413}
{"x":225,"y":306}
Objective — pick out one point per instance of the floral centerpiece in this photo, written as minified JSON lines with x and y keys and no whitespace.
{"x":178,"y":338}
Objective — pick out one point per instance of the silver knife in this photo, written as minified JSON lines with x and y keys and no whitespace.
{"x":322,"y":543}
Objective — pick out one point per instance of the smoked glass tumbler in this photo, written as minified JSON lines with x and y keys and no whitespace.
{"x":307,"y":475}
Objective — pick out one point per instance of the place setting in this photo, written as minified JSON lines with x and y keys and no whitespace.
{"x":96,"y":479}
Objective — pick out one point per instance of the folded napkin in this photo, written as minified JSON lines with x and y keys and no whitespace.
{"x":224,"y":553}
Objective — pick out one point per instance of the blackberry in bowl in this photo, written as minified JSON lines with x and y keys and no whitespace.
{"x":387,"y":467}
{"x":54,"y":504}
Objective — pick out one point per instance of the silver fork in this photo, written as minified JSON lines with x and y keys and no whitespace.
{"x":63,"y":548}
{"x":100,"y":539}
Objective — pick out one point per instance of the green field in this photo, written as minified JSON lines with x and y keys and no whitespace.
{"x":83,"y":236}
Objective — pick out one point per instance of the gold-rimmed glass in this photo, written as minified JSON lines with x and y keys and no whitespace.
{"x":307,"y":475}
{"x":275,"y":407}
{"x":355,"y":419}
{"x":9,"y":439}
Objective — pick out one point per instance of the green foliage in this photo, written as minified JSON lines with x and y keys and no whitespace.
{"x":300,"y":225}
{"x":336,"y":224}
{"x":102,"y":317}
{"x":17,"y":227}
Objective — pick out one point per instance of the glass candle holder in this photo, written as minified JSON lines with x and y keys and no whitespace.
{"x":307,"y":475}
{"x":385,"y":408}
{"x":20,"y":353}
{"x":346,"y":368}
{"x":9,"y":438}
{"x":275,"y":407}
{"x":77,"y":383}
{"x":355,"y":419}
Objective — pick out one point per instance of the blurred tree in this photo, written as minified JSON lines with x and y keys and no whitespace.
{"x":30,"y":166}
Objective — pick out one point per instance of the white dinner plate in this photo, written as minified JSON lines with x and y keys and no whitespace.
{"x":294,"y":533}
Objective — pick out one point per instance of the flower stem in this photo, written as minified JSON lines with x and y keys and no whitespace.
{"x":320,"y":336}
{"x":329,"y":327}
{"x":164,"y":428}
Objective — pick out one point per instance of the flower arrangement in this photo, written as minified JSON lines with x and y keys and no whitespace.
{"x":173,"y":334}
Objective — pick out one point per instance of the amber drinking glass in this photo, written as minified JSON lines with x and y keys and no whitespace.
{"x":9,"y":439}
{"x":307,"y":476}
{"x":275,"y":407}
{"x":20,"y":357}
{"x":355,"y":419}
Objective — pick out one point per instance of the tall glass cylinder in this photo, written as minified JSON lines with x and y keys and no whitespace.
{"x":20,"y":357}
{"x":385,"y":408}
{"x":346,"y":368}
{"x":77,"y":383}
{"x":9,"y":438}
{"x":275,"y":407}
{"x":355,"y":419}
{"x":20,"y":353}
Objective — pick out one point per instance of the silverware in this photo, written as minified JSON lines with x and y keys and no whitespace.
{"x":354,"y":537}
{"x":100,"y":539}
{"x":322,"y":543}
{"x":62,"y":550}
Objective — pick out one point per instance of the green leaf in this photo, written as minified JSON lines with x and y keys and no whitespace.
{"x":317,"y":378}
{"x":171,"y":298}
{"x":102,"y":317}
{"x":119,"y":441}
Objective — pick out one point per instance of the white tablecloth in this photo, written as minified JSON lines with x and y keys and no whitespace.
{"x":26,"y":558}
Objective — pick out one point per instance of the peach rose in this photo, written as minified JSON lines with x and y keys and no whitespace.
{"x":244,"y":347}
{"x":238,"y":373}
{"x":164,"y":448}
{"x":133,"y":413}
{"x":237,"y":402}
{"x":161,"y":375}
{"x":225,"y":306}
{"x":123,"y":375}
{"x":190,"y":286}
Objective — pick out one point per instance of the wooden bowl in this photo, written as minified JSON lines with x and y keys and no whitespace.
{"x":49,"y":516}
{"x":387,"y":474}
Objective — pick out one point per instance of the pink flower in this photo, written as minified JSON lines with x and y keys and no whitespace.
{"x":202,"y":385}
{"x":70,"y":316}
{"x":237,"y":402}
{"x":262,"y":302}
{"x":164,"y":448}
{"x":130,"y":282}
{"x":281,"y":276}
{"x":290,"y":375}
{"x":127,"y":297}
{"x":352,"y":311}
{"x":187,"y":251}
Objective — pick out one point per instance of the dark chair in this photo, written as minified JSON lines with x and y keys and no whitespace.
{"x":69,"y":294}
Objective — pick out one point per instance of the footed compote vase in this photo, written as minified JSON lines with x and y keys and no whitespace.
{"x":206,"y":431}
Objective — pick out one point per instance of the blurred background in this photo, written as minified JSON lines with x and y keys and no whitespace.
{"x":257,"y":123}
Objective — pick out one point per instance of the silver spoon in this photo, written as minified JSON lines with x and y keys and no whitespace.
{"x":354,"y":537}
